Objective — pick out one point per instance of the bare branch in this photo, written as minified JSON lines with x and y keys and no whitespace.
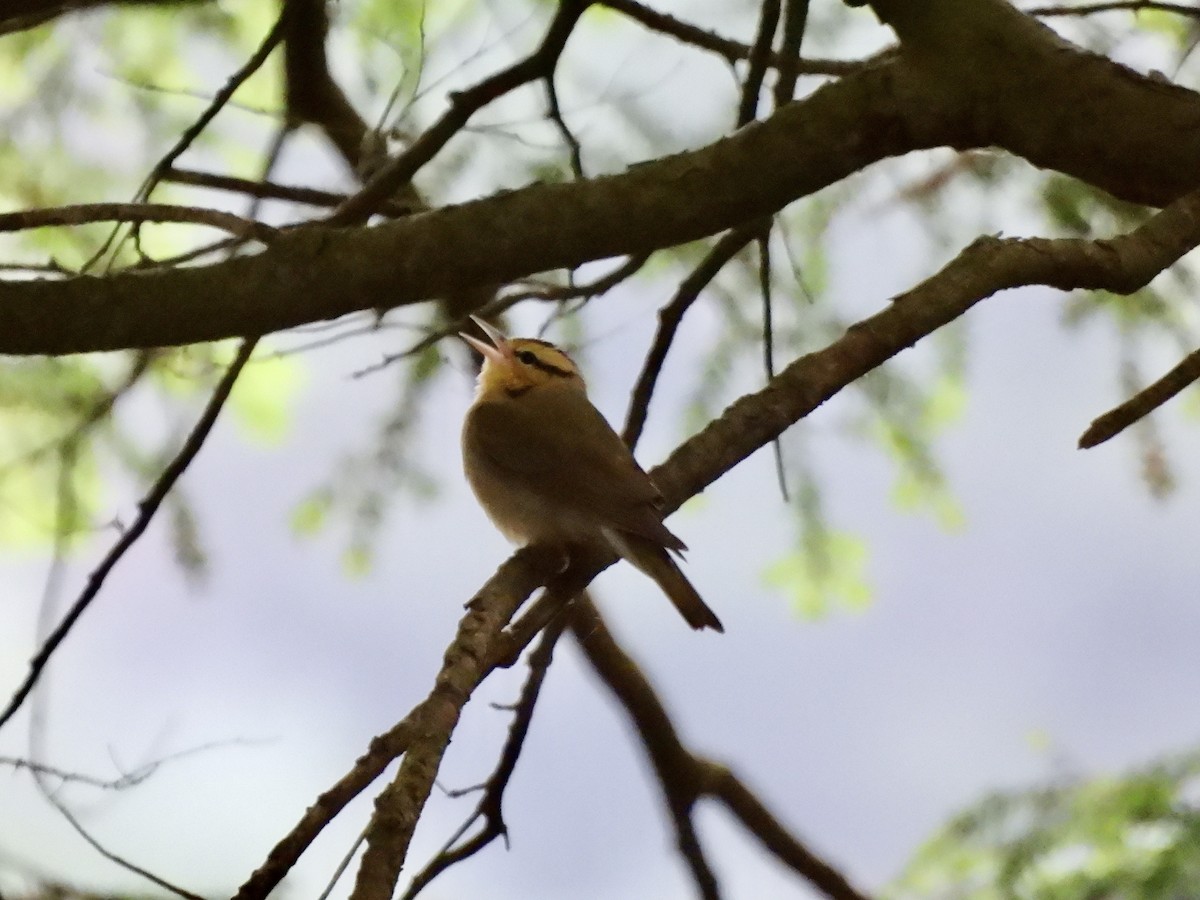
{"x":85,"y":213}
{"x":731,"y":50}
{"x":985,"y":267}
{"x":1087,"y":9}
{"x":269,"y":190}
{"x":1142,"y":403}
{"x":147,"y":507}
{"x":19,"y":15}
{"x":490,"y":806}
{"x":218,"y":102}
{"x":399,"y":171}
{"x":312,"y":94}
{"x":760,"y":54}
{"x":686,"y":778}
{"x":430,"y":722}
{"x":669,"y":319}
{"x":505,"y":302}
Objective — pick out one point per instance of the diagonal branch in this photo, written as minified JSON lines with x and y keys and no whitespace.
{"x":399,"y":171}
{"x":85,"y":213}
{"x":147,"y":507}
{"x":669,"y":319}
{"x":985,"y":267}
{"x":490,"y":806}
{"x":429,"y":721}
{"x":730,"y":50}
{"x":1141,"y":404}
{"x":686,"y":778}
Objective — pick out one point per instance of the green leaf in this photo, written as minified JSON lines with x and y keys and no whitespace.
{"x":263,"y":397}
{"x":312,"y":513}
{"x":356,"y":561}
{"x":825,"y":573}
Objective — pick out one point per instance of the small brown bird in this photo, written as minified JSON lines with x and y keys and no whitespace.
{"x":548,"y":469}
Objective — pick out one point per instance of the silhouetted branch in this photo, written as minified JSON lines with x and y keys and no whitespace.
{"x":218,"y":102}
{"x":399,"y":171}
{"x":490,"y":806}
{"x":686,"y":778}
{"x":669,"y":318}
{"x":1087,"y":9}
{"x":269,"y":190}
{"x":147,"y":507}
{"x":85,"y":213}
{"x":730,"y":50}
{"x":1142,"y":403}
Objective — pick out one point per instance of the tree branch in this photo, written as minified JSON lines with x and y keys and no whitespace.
{"x":85,"y":213}
{"x":399,"y":171}
{"x":312,"y":274}
{"x":730,"y":50}
{"x":962,"y":82}
{"x":686,"y":778}
{"x":491,"y":805}
{"x":1142,"y":403}
{"x":147,"y":507}
{"x":985,"y":267}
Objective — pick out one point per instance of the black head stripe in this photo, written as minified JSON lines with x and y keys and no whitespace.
{"x":538,"y":363}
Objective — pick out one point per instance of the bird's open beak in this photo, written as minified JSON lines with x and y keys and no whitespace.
{"x":500,"y":353}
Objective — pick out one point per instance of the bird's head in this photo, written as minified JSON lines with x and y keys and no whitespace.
{"x":518,"y":365}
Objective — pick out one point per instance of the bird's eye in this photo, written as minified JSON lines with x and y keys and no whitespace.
{"x":527,"y":356}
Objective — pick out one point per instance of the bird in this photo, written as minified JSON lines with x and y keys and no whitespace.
{"x":549,"y":470}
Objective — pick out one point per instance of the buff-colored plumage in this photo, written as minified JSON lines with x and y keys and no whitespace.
{"x":548,"y":469}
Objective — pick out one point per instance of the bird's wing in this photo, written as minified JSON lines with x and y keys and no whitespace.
{"x":560,"y":448}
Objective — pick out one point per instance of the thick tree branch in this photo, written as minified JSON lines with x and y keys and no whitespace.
{"x":312,"y":274}
{"x":962,"y":81}
{"x":1092,"y":118}
{"x":17,"y":15}
{"x":989,"y":265}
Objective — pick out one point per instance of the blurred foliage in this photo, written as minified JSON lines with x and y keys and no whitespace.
{"x":1131,"y":837}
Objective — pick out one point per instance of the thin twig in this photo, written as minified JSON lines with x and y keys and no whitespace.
{"x":768,"y":349}
{"x":112,"y":857}
{"x":554,"y":111}
{"x":218,"y":102}
{"x":222,"y":97}
{"x":86,"y":213}
{"x":399,"y":171}
{"x":271,"y":190}
{"x":1087,"y":9}
{"x":669,"y":318}
{"x":505,"y":302}
{"x":760,"y":59}
{"x":730,"y":50}
{"x":147,"y":507}
{"x":490,"y":806}
{"x":1142,"y":403}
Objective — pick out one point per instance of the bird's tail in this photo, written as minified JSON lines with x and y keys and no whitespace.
{"x":654,"y":560}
